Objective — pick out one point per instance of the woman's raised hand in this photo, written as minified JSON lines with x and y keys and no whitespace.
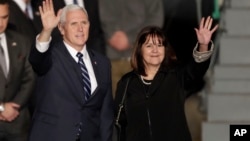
{"x":204,"y":33}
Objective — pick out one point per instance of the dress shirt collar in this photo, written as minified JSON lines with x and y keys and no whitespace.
{"x":73,"y":52}
{"x":80,"y":2}
{"x":21,"y":4}
{"x":2,"y":35}
{"x":3,"y":41}
{"x":87,"y":62}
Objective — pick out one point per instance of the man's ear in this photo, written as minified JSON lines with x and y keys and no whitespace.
{"x":60,"y":27}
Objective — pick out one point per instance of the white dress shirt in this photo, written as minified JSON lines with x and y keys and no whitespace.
{"x":80,"y":2}
{"x":5,"y":50}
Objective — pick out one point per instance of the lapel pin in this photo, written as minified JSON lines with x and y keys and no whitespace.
{"x":14,"y":44}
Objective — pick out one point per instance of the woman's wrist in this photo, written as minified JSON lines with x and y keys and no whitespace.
{"x":201,"y":44}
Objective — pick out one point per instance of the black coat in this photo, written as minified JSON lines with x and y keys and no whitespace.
{"x":159,"y":113}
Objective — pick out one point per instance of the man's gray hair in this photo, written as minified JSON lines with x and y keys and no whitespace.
{"x":68,"y":8}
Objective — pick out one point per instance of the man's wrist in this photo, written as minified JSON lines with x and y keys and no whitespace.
{"x":2,"y":107}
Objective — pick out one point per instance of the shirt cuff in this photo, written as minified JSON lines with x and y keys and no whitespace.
{"x":42,"y":46}
{"x":202,"y":56}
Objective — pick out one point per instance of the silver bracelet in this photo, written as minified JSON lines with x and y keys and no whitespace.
{"x":202,"y":56}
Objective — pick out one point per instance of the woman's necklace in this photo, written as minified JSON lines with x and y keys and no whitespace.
{"x":144,"y":82}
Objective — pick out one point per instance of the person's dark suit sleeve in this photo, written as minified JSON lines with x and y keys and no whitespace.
{"x":107,"y":113}
{"x":41,"y":62}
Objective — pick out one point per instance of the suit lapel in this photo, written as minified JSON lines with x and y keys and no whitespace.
{"x":94,"y":63}
{"x":13,"y":54}
{"x":71,"y":66}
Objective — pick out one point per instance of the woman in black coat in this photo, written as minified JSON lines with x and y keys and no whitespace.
{"x":157,"y":89}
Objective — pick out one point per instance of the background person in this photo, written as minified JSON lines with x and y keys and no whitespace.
{"x":17,"y":80}
{"x":24,"y":18}
{"x":121,"y":21}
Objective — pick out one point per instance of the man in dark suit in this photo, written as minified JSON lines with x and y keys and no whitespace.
{"x":63,"y":111}
{"x":16,"y":81}
{"x":96,"y":36}
{"x":24,"y":17}
{"x":28,"y":23}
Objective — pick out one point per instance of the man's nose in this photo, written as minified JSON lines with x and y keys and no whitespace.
{"x":80,"y":27}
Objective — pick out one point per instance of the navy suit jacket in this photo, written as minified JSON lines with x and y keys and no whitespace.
{"x":60,"y":105}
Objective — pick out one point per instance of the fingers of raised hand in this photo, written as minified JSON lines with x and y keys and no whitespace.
{"x":206,"y":23}
{"x":50,"y":5}
{"x":47,"y":6}
{"x":215,"y":28}
{"x":206,"y":26}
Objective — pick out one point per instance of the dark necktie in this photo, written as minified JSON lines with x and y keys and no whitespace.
{"x":75,"y":2}
{"x":2,"y":60}
{"x":26,"y":12}
{"x":85,"y":76}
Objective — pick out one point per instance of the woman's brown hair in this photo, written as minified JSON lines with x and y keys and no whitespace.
{"x":153,"y":32}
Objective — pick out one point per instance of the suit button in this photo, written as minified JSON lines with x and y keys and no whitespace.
{"x":6,"y":86}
